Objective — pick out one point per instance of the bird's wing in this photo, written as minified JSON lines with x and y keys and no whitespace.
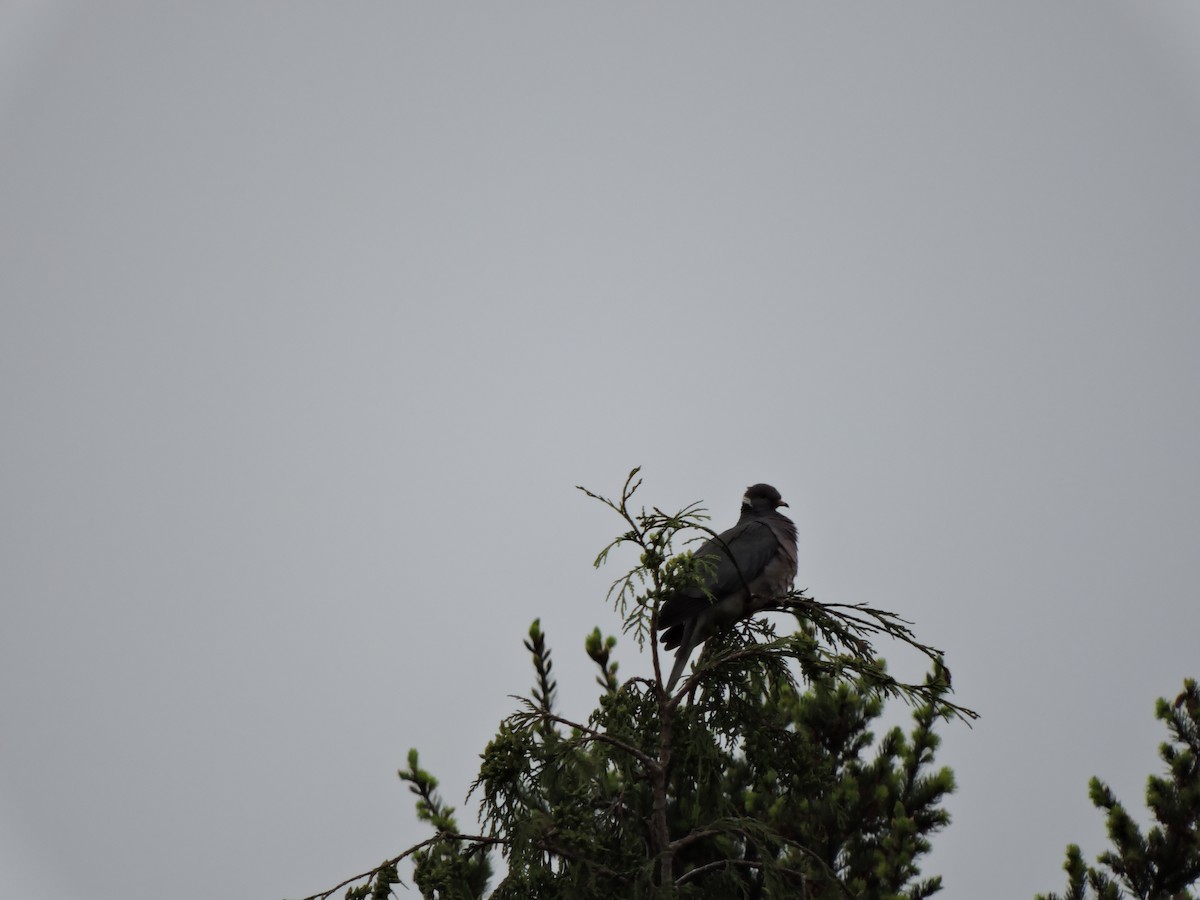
{"x":738,"y":556}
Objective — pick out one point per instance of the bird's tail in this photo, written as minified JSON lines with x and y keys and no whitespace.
{"x":681,"y":655}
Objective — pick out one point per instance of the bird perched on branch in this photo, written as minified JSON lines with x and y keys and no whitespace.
{"x":750,"y":566}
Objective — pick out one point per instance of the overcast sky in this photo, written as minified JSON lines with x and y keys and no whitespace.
{"x":312,"y":315}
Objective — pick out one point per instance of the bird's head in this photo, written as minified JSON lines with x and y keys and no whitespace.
{"x":761,"y":498}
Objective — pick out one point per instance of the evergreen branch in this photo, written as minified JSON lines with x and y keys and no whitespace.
{"x":592,"y":734}
{"x":546,"y":688}
{"x":430,"y":807}
{"x":599,"y":650}
{"x":747,"y":828}
{"x":929,"y":691}
{"x":478,"y":839}
{"x":557,"y":850}
{"x":879,"y":621}
{"x":743,"y":863}
{"x":1165,"y":861}
{"x":696,"y":836}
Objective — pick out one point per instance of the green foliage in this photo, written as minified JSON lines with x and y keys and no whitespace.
{"x":789,"y":805}
{"x":447,"y":870}
{"x":1164,"y":863}
{"x":743,"y":783}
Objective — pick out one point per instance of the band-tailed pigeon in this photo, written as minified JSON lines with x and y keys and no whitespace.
{"x":753,"y":565}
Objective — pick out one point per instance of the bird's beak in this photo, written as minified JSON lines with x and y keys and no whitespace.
{"x":782,"y":503}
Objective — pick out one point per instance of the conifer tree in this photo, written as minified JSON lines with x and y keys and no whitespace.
{"x":1164,"y":863}
{"x":743,"y":783}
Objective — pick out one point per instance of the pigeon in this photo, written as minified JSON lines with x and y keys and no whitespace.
{"x":753,"y":565}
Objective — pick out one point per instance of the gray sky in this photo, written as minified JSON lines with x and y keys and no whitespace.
{"x":313,"y":315}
